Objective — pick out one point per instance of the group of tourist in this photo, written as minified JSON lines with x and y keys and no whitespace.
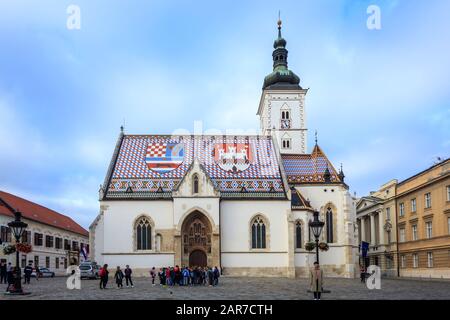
{"x":168,"y":276}
{"x":186,"y":276}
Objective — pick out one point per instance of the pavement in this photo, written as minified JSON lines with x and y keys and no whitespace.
{"x":237,"y":288}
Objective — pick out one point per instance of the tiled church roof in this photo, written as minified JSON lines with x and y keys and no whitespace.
{"x":38,"y":213}
{"x":131,"y":175}
{"x":309,"y":168}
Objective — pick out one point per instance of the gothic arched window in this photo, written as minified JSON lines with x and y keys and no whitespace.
{"x":143,"y":234}
{"x":258,"y":233}
{"x":298,"y":235}
{"x":329,"y":223}
{"x":195,"y":184}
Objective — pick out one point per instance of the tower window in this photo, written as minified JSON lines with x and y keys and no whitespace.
{"x":286,"y":143}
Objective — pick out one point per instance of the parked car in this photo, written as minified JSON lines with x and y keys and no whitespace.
{"x":45,"y":273}
{"x":89,"y":270}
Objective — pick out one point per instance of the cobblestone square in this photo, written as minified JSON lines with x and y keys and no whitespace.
{"x":240,"y":289}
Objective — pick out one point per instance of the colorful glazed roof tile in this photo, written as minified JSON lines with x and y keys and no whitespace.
{"x":298,"y":202}
{"x":32,"y":211}
{"x":309,"y":168}
{"x":152,"y":166}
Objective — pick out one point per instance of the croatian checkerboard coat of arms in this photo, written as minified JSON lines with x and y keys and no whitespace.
{"x":164,"y":157}
{"x":233,"y":157}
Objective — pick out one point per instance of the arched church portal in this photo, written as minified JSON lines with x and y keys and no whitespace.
{"x":197,"y":241}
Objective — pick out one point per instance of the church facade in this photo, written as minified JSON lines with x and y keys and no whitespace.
{"x":241,"y":203}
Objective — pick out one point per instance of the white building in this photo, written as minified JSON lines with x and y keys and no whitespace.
{"x":241,"y":203}
{"x":56,"y":239}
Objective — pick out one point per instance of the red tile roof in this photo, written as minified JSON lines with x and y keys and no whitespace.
{"x":38,"y":213}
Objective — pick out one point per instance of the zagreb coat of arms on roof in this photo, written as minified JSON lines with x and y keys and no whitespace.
{"x":164,"y":157}
{"x":233,"y":157}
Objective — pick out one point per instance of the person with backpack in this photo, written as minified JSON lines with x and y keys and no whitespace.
{"x":103,"y":276}
{"x":128,"y":273}
{"x":118,"y":276}
{"x":153,"y":275}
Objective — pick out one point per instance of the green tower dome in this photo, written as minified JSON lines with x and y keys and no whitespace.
{"x":281,"y":77}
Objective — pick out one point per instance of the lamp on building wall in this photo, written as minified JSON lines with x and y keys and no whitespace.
{"x":316,"y":227}
{"x":18,"y":227}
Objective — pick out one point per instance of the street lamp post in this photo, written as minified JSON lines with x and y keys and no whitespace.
{"x":18,"y":228}
{"x":316,"y":227}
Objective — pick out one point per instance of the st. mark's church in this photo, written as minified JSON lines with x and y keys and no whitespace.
{"x":241,"y":203}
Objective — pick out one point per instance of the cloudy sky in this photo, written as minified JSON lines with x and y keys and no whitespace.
{"x":379,"y":99}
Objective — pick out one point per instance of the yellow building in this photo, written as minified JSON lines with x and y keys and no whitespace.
{"x":423,"y":223}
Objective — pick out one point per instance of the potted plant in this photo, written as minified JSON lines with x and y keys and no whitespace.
{"x":310,"y":246}
{"x":23,"y":247}
{"x":9,"y":249}
{"x":324,"y":246}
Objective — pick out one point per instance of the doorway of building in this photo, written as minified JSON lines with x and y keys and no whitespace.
{"x":198,"y":258}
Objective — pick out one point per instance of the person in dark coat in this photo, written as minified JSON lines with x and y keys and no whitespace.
{"x":216,"y":276}
{"x":3,"y":273}
{"x":11,"y":277}
{"x":118,"y":276}
{"x":27,"y":271}
{"x":128,"y":273}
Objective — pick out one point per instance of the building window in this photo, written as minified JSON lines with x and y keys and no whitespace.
{"x":402,"y":234}
{"x":23,"y":262}
{"x":56,"y":263}
{"x":5,"y":234}
{"x":414,"y":232}
{"x":258,"y":233}
{"x":143,"y":234}
{"x":66,"y":244}
{"x":26,"y":237}
{"x":403,"y":261}
{"x":389,"y":236}
{"x":49,"y":241}
{"x":430,"y":259}
{"x":329,"y":223}
{"x":388,"y":213}
{"x":448,"y":193}
{"x":38,"y":239}
{"x":415,"y":260}
{"x":58,"y":243}
{"x":36,"y":261}
{"x":286,"y":143}
{"x":429,"y":229}
{"x":413,"y":205}
{"x":75,"y":246}
{"x":47,"y":262}
{"x":195,"y":184}
{"x":427,"y":200}
{"x":298,"y":235}
{"x":402,"y":209}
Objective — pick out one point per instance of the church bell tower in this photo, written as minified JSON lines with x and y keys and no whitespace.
{"x":282,"y":105}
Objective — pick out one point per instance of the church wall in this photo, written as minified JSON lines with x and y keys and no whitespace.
{"x":96,"y":240}
{"x":238,"y":258}
{"x":184,"y":206}
{"x":340,"y":259}
{"x":120,"y":217}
